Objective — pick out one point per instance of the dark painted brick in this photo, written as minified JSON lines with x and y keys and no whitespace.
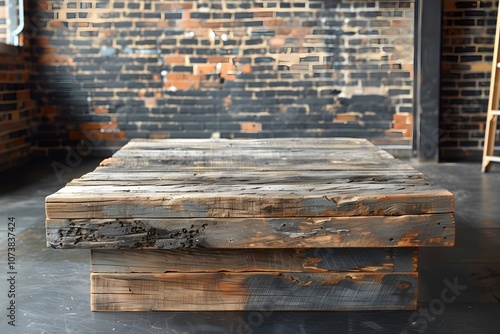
{"x":203,"y":51}
{"x":254,"y":41}
{"x":185,"y":51}
{"x":189,"y":41}
{"x":8,"y":96}
{"x":464,"y":49}
{"x":173,"y":16}
{"x":464,"y":22}
{"x":183,"y":68}
{"x":264,"y":32}
{"x":471,"y":58}
{"x":243,"y":15}
{"x":8,"y":107}
{"x":199,"y":15}
{"x":253,"y":23}
{"x":370,"y":14}
{"x":259,"y":60}
{"x":393,"y":92}
{"x":197,"y":60}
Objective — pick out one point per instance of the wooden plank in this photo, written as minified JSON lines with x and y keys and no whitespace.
{"x":260,"y":291}
{"x":269,"y":143}
{"x":398,"y":231}
{"x":234,"y":154}
{"x":254,"y":260}
{"x":249,"y":177}
{"x":238,"y":201}
{"x":240,"y":153}
{"x":213,"y":154}
{"x":101,"y":173}
{"x":255,"y":163}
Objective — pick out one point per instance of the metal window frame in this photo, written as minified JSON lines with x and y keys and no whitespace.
{"x":15,"y":21}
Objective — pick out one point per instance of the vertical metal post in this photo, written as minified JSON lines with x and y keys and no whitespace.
{"x":427,"y":79}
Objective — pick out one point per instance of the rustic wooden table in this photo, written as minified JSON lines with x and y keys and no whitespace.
{"x":271,"y":224}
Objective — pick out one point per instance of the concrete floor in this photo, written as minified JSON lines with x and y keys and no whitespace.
{"x":52,"y":286}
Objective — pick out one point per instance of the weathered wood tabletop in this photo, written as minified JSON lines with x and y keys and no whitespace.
{"x":253,"y":208}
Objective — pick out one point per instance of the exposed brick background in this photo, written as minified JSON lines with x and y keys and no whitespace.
{"x":116,"y":70}
{"x":96,"y":72}
{"x":3,"y":21}
{"x":16,"y":107}
{"x":467,"y":50}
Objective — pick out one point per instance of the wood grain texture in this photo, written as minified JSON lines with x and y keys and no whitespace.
{"x":270,"y":224}
{"x":249,"y":178}
{"x":272,"y":193}
{"x":255,"y":260}
{"x":238,"y":201}
{"x":378,"y":231}
{"x":255,"y":163}
{"x":100,"y":177}
{"x":262,"y":291}
{"x":271,"y":144}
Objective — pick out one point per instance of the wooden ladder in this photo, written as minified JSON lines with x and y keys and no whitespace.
{"x":493,"y":107}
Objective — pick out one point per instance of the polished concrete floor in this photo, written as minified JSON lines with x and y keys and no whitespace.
{"x":52,"y":286}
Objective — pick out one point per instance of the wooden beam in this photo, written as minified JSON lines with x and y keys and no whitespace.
{"x":254,"y":260}
{"x":260,"y":291}
{"x":398,"y":231}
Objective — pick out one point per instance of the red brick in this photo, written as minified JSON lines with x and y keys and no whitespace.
{"x":277,"y":41}
{"x":151,"y":102}
{"x":175,"y":76}
{"x":345,"y":117}
{"x":300,"y":32}
{"x":49,"y":110}
{"x":191,"y":23}
{"x":97,"y":126}
{"x":402,"y":23}
{"x":101,"y":110}
{"x":175,"y":59}
{"x":159,"y":136}
{"x":76,"y":135}
{"x":263,"y":14}
{"x":205,"y":69}
{"x":247,"y":68}
{"x":284,"y":31}
{"x":56,"y":24}
{"x":212,"y":24}
{"x":218,"y":59}
{"x":274,"y":23}
{"x":391,"y":32}
{"x":182,"y":84}
{"x":250,"y":127}
{"x":42,"y":41}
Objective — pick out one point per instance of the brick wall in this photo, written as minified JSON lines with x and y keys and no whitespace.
{"x":467,"y":50}
{"x":16,"y":107}
{"x":3,"y":21}
{"x":115,"y":70}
